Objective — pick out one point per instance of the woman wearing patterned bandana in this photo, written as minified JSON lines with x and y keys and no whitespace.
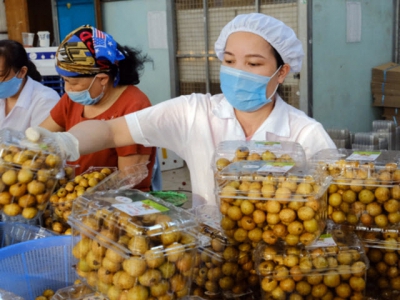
{"x":257,"y":53}
{"x":24,"y":101}
{"x":100,"y":77}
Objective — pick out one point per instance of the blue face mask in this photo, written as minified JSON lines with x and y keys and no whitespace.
{"x":10,"y":87}
{"x":245,"y":91}
{"x":83,"y":97}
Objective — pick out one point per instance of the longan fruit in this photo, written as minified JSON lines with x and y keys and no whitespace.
{"x":234,"y":213}
{"x":259,"y":216}
{"x":305,"y":213}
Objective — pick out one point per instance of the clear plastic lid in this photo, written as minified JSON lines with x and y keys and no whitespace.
{"x":80,"y":291}
{"x":111,"y":214}
{"x":209,"y":219}
{"x":388,"y":239}
{"x":232,"y":151}
{"x":126,"y":178}
{"x":16,"y":150}
{"x":287,"y":180}
{"x":337,"y":249}
{"x":343,"y":164}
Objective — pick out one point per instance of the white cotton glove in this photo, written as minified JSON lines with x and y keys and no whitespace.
{"x":69,"y":145}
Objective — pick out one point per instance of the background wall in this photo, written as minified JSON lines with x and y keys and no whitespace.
{"x":126,"y":21}
{"x":342,"y":71}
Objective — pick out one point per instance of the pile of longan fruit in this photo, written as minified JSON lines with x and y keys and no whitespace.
{"x":62,"y":199}
{"x":383,"y":252}
{"x":27,"y":181}
{"x":364,"y":194}
{"x":141,"y":257}
{"x":314,"y":273}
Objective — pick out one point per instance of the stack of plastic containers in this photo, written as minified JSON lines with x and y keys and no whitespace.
{"x":28,"y":176}
{"x":383,"y":252}
{"x":130,"y":244}
{"x":386,"y":130}
{"x":365,"y":195}
{"x":341,"y":137}
{"x":367,"y":141}
{"x":333,"y":268}
{"x":222,"y":270}
{"x":266,"y":193}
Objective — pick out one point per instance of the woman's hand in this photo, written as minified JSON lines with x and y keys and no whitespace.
{"x":68,"y":144}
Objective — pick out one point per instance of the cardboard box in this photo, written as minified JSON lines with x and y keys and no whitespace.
{"x":388,"y":73}
{"x":392,"y":113}
{"x":385,"y":101}
{"x":388,"y":89}
{"x":385,"y":85}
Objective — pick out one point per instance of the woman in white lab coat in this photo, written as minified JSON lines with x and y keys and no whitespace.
{"x":24,"y":101}
{"x":257,"y":52}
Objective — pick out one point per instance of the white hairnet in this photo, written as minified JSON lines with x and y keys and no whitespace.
{"x":274,"y":31}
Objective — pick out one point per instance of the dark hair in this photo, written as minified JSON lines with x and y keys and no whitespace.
{"x":278,"y":58}
{"x":279,"y":62}
{"x":129,"y":68}
{"x":15,"y":57}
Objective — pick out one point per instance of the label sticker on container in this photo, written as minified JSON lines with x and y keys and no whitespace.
{"x":364,"y":155}
{"x":268,"y":145}
{"x":141,"y":208}
{"x":276,"y":167}
{"x":325,"y":240}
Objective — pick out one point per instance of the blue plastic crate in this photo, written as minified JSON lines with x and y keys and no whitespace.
{"x":14,"y":233}
{"x":29,"y":268}
{"x":54,"y":82}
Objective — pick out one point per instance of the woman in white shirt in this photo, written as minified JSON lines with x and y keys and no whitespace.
{"x":24,"y":101}
{"x":257,"y":53}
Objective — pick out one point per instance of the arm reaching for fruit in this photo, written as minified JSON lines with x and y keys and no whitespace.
{"x":87,"y":137}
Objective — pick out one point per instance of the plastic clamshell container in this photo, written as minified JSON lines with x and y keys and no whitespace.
{"x":219,"y":253}
{"x":250,"y":294}
{"x":16,"y":151}
{"x":127,"y":178}
{"x":14,"y":233}
{"x":68,"y":174}
{"x":334,"y":266}
{"x":289,"y":205}
{"x":209,"y":219}
{"x":94,"y":179}
{"x":25,"y":193}
{"x":28,"y":173}
{"x":207,"y":274}
{"x":62,"y":199}
{"x":383,"y":251}
{"x":80,"y":291}
{"x":232,"y":151}
{"x":134,"y":242}
{"x":365,"y":188}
